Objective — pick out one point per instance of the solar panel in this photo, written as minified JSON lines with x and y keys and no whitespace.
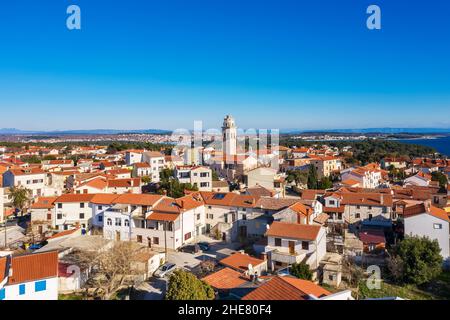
{"x":219,"y":196}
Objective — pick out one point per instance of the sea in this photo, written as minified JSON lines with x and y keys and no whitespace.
{"x":441,"y":144}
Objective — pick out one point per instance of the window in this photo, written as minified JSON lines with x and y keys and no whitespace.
{"x":59,"y":205}
{"x":109,"y":222}
{"x":155,"y":240}
{"x":100,"y":207}
{"x":357,"y":215}
{"x":187,"y":236}
{"x":82,"y":205}
{"x":2,"y":294}
{"x":244,"y":217}
{"x":204,"y":174}
{"x":277,"y":242}
{"x":358,"y":207}
{"x":384,"y":210}
{"x":305,"y":245}
{"x":370,"y":217}
{"x":59,"y":216}
{"x":198,"y":216}
{"x":40,"y":286}
{"x":332,"y":202}
{"x":118,"y":222}
{"x":81,"y":215}
{"x":370,"y":207}
{"x":126,"y":223}
{"x":204,"y":184}
{"x":100,"y":218}
{"x":49,"y":216}
{"x":21,"y":289}
{"x":437,"y":226}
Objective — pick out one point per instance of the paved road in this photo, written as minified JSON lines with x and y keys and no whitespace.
{"x":153,"y":289}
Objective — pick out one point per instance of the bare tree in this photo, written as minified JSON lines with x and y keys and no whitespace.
{"x":110,"y":268}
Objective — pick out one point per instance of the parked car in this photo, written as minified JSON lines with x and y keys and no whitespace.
{"x":204,"y":246}
{"x":165,"y":270}
{"x":190,"y":248}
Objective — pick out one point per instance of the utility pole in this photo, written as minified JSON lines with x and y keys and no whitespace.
{"x":165,"y":241}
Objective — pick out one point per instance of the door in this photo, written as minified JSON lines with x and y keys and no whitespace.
{"x":118,"y":235}
{"x":243,"y":231}
{"x":291,"y":247}
{"x":139,"y":239}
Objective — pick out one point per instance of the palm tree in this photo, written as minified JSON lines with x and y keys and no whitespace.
{"x":20,"y":197}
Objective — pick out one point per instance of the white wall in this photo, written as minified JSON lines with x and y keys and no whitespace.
{"x":51,"y":292}
{"x":423,"y":225}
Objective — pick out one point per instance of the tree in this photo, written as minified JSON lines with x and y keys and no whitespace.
{"x":415,"y":260}
{"x":312,"y":177}
{"x":439,"y":176}
{"x":214,"y":176}
{"x":20,"y":197}
{"x":111,"y":267}
{"x":184,"y":285}
{"x":301,"y":270}
{"x":325,"y":183}
{"x":146,"y":179}
{"x":297,"y":176}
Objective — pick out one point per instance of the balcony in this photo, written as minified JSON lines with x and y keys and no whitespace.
{"x":286,"y":257}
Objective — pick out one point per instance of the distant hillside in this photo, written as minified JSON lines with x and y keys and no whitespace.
{"x":372,"y":130}
{"x":14,"y":131}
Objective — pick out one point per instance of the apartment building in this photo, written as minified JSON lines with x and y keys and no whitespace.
{"x":368,"y":208}
{"x":199,"y":176}
{"x":31,"y":178}
{"x":325,"y":165}
{"x":156,"y":162}
{"x":289,"y":243}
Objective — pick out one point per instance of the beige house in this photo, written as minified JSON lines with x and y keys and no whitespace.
{"x":196,"y":175}
{"x":325,"y":165}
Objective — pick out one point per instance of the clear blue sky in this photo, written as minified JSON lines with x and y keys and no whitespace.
{"x":272,"y":64}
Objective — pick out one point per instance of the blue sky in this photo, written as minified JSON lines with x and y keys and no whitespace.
{"x":272,"y":64}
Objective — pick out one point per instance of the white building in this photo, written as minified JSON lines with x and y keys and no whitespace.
{"x":229,"y":136}
{"x":19,"y":281}
{"x":195,"y":175}
{"x":289,"y":243}
{"x":420,"y":179}
{"x":31,"y":178}
{"x":156,"y":162}
{"x":425,"y":220}
{"x":72,"y":210}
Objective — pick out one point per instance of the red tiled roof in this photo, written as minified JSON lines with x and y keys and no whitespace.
{"x":44,"y":203}
{"x":124,"y":183}
{"x":72,"y":197}
{"x":286,"y":288}
{"x":293,"y":230}
{"x":33,"y":267}
{"x":64,"y":233}
{"x":241,"y":261}
{"x":26,"y":171}
{"x":138,"y":199}
{"x":3,"y":268}
{"x":225,"y":278}
{"x":372,"y":237}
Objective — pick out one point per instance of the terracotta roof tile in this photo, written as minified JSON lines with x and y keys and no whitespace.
{"x":241,"y":261}
{"x":33,"y":267}
{"x":286,"y":288}
{"x":225,"y":278}
{"x":293,"y":230}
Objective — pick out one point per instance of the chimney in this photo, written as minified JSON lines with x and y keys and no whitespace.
{"x":382,"y":199}
{"x":264,"y":256}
